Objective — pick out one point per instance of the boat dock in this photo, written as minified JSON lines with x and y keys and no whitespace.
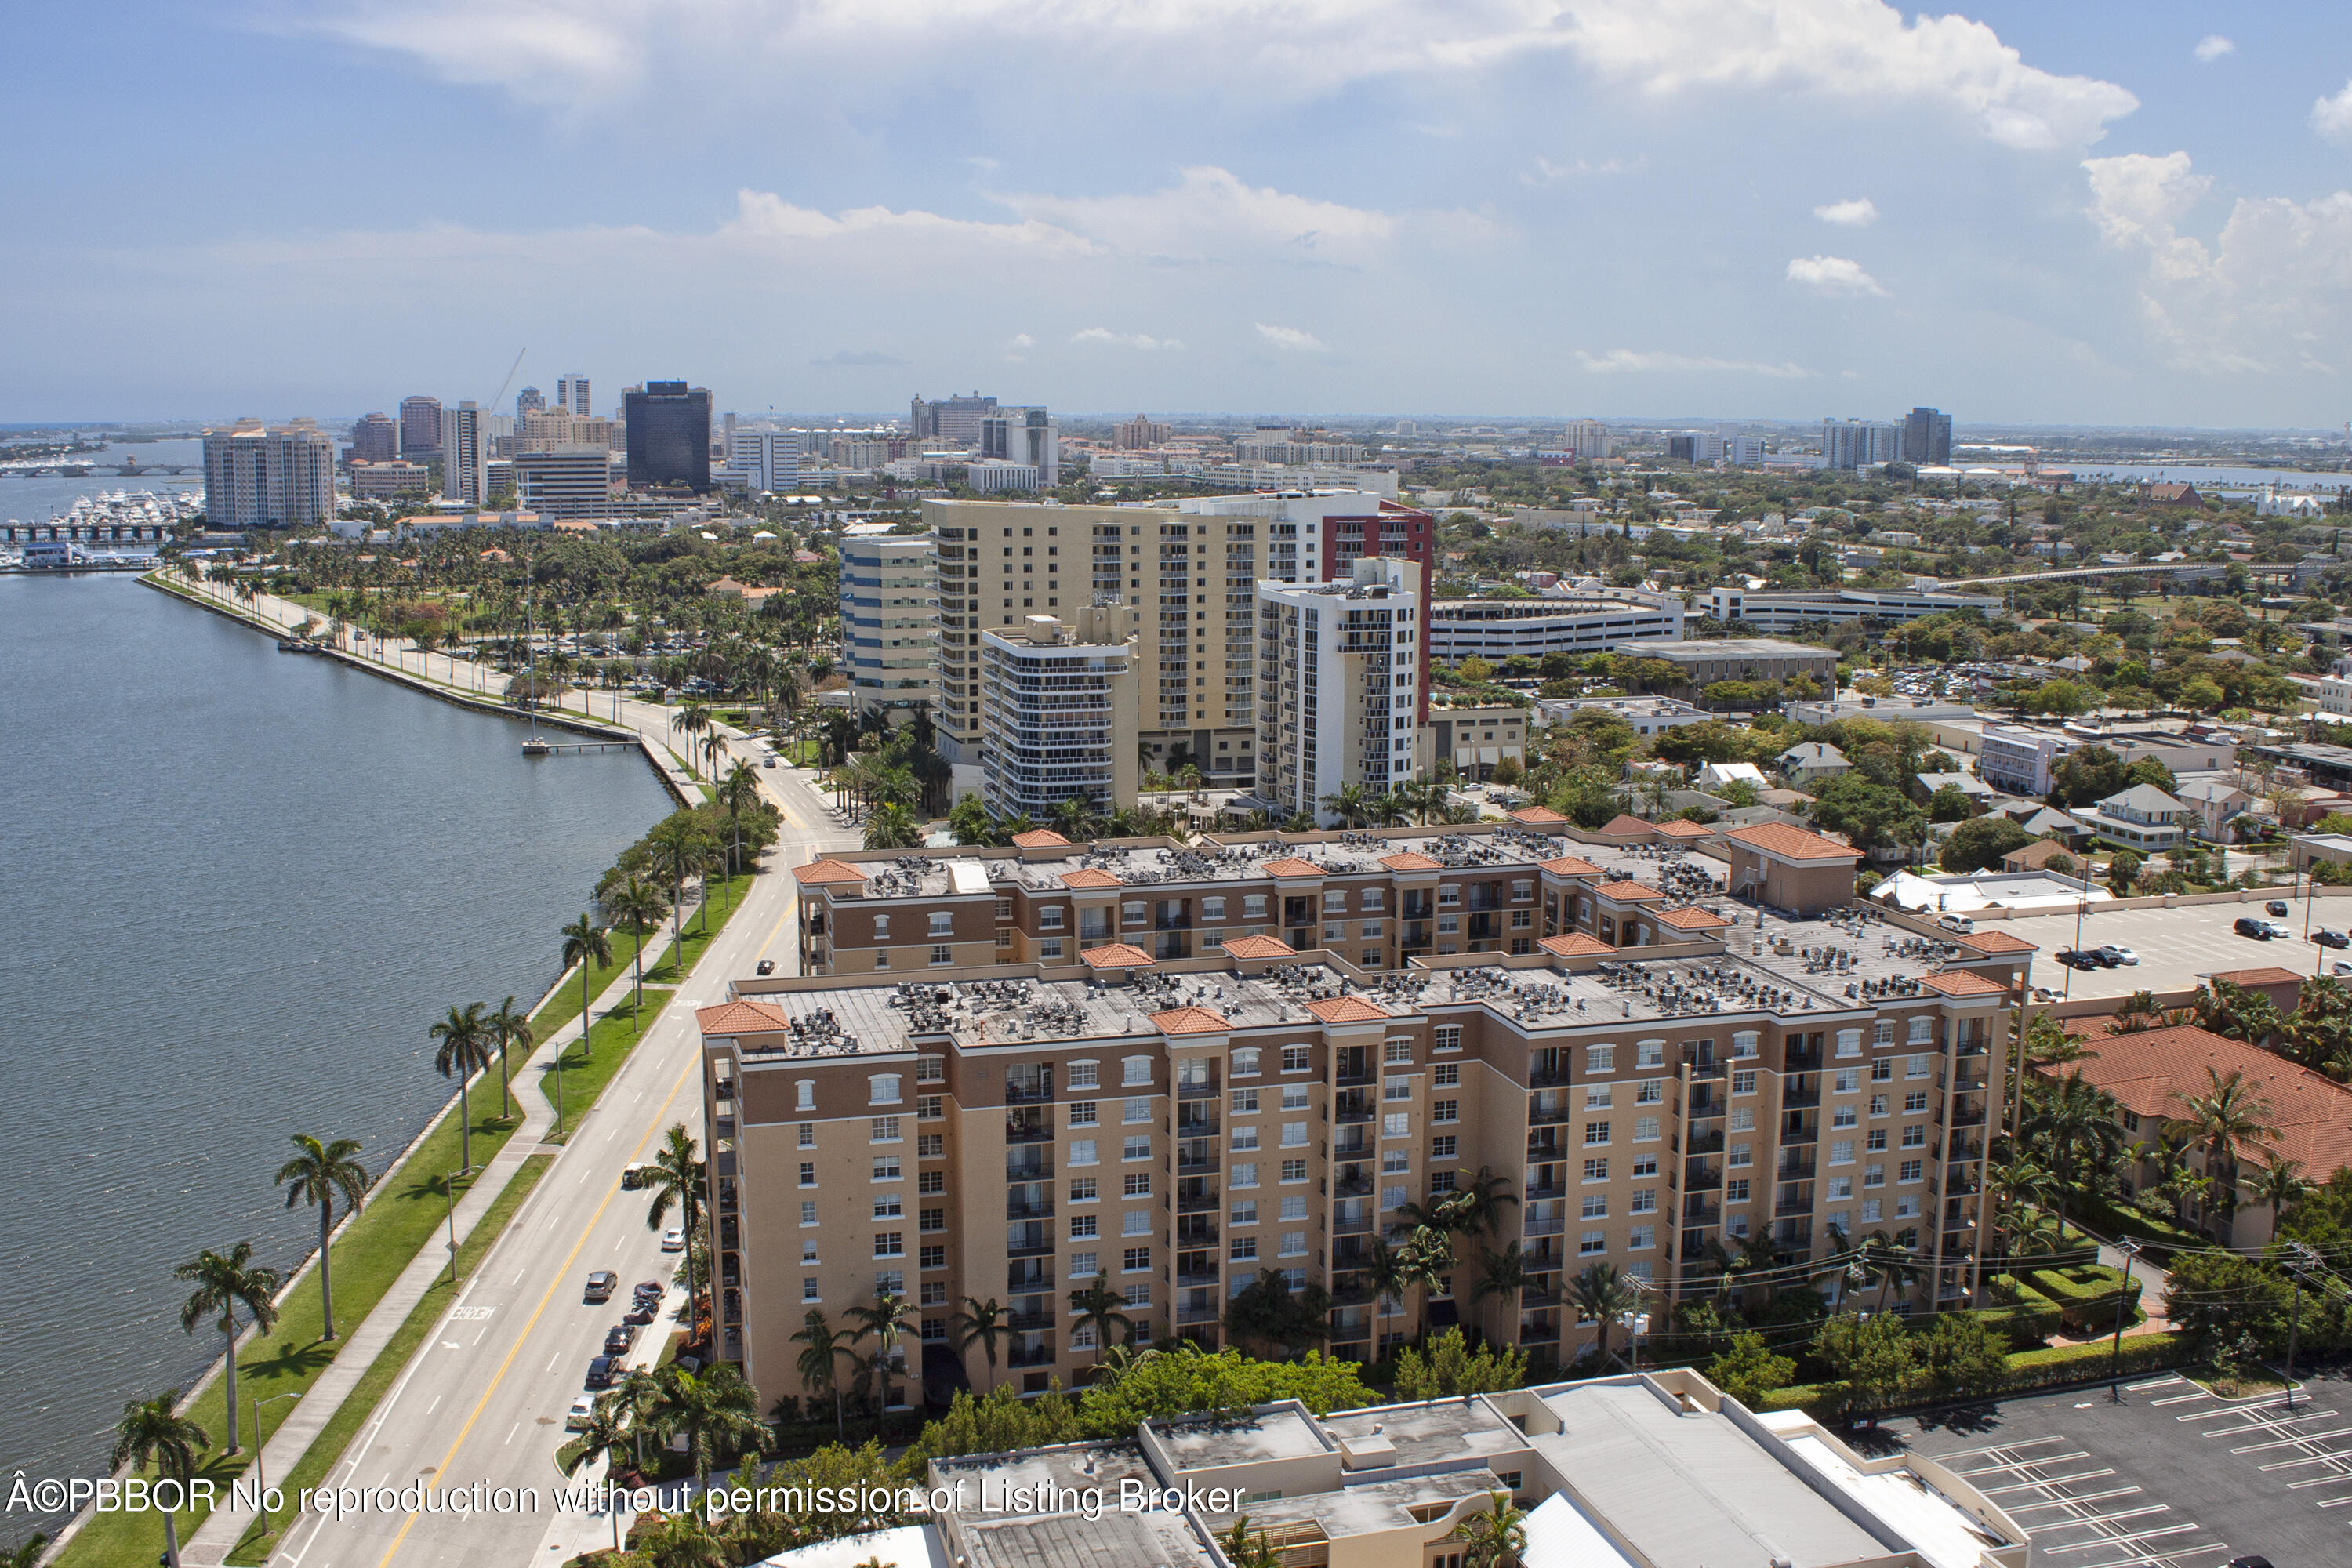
{"x":542,"y":748}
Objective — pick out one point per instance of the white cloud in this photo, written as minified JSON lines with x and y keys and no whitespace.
{"x":1646,"y":362}
{"x":1290,"y":338}
{"x":2212,"y":48}
{"x":2276,"y":281}
{"x":1103,"y":337}
{"x":1547,"y":171}
{"x":1859,"y":212}
{"x":586,"y":52}
{"x":1834,"y":275}
{"x":1210,"y":215}
{"x":1018,"y":341}
{"x":2333,"y":116}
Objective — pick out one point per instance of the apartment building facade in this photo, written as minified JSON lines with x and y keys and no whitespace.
{"x":1646,"y":1077}
{"x":1057,"y":707}
{"x":889,"y":622}
{"x":270,"y":476}
{"x":1338,"y":684}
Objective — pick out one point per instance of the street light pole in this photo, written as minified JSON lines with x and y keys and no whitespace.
{"x":260,"y":1475}
{"x":449,"y":1192}
{"x":2129,"y":1248}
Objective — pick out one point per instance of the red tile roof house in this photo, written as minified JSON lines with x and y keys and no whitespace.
{"x":2152,"y":1073}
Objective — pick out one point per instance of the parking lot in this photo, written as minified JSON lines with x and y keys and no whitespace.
{"x":2177,"y":948}
{"x":2173,"y":1475}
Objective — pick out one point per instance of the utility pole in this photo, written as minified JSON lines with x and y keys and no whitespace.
{"x":2129,"y":1248}
{"x":2300,"y":1259}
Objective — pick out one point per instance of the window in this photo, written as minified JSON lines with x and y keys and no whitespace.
{"x":1294,"y":1097}
{"x":1245,"y":1173}
{"x":1641,"y":1238}
{"x":1849,"y":1042}
{"x":1843,"y":1116}
{"x":1840,"y":1189}
{"x":1650,"y":1054}
{"x":1084,"y":1264}
{"x":1245,"y":1062}
{"x":807,"y":1089}
{"x":1396,"y":1086}
{"x":1915,"y":1103}
{"x":1082,"y":1113}
{"x":1245,"y":1102}
{"x":1245,"y":1211}
{"x":932,"y":1256}
{"x":1917,"y":1067}
{"x":1743,"y":1118}
{"x":1915,"y":1138}
{"x":1244,"y":1140}
{"x":808,"y":1211}
{"x":930,"y":1069}
{"x":1842,"y":1152}
{"x":1645,"y":1129}
{"x":1137,"y":1295}
{"x":1292,"y":1209}
{"x":1138,"y":1183}
{"x":1878,"y":1105}
{"x":1137,"y":1071}
{"x":1136,"y":1108}
{"x":808,"y":1289}
{"x":1244,"y":1248}
{"x":1743,"y":1081}
{"x":885,"y":1169}
{"x":882,"y":958}
{"x":1253,"y":907}
{"x":1081,"y":1075}
{"x":882,"y":1088}
{"x":1596,"y":1133}
{"x":1397,"y":1124}
{"x":929,"y":1108}
{"x":1735,"y":1191}
{"x":1294,"y":1059}
{"x":1875,"y":1141}
{"x":1596,"y":1096}
{"x":881,"y":928}
{"x":1335,"y":899}
{"x":890,"y":1207}
{"x":1050,"y":918}
{"x":1650,"y":1091}
{"x":1294,"y":1244}
{"x":1049,"y":947}
{"x":1294,"y":1170}
{"x":1883,"y":1032}
{"x":1848,"y":1080}
{"x":889,"y":1244}
{"x":808,"y":1134}
{"x":1906,"y":1209}
{"x":808,"y":1252}
{"x":1083,"y":1227}
{"x":1873,"y":1175}
{"x":808,"y":1174}
{"x":1445,"y":1110}
{"x":1138,"y":1148}
{"x":1442,"y":1148}
{"x":1596,"y":1206}
{"x":1870,"y":1210}
{"x":942,"y":953}
{"x":1909,"y":1171}
{"x":1445,"y":1037}
{"x":1294,"y":1135}
{"x":1743,"y":1043}
{"x":1881,"y":1070}
{"x":1446,"y":1075}
{"x":1135,"y":1259}
{"x":935,"y":1293}
{"x":1213,"y":908}
{"x":1373,"y":899}
{"x":1739,"y":1156}
{"x":1394,"y":1052}
{"x":1395,"y":1161}
{"x":883,"y":1130}
{"x":1081,"y":1151}
{"x":1590,"y":1242}
{"x":1599,"y":1058}
{"x":942,"y":922}
{"x":1596,"y":1169}
{"x":1082,"y":1190}
{"x":1923,"y":1030}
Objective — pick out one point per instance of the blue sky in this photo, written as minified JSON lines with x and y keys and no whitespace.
{"x":2085,"y":214}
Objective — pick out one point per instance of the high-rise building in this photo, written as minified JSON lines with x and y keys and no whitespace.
{"x":1338,"y":684}
{"x":1058,"y":700}
{"x":420,"y":426}
{"x":1138,"y":433}
{"x":950,"y":418}
{"x":1859,"y":443}
{"x":1694,"y":446}
{"x":571,"y":481}
{"x":766,"y":460}
{"x":390,"y":479}
{"x":530,"y":401}
{"x":669,"y":433}
{"x":1587,"y":438}
{"x":1202,"y":1069}
{"x":1927,"y":436}
{"x":375,"y":438}
{"x":1023,"y":436}
{"x":889,"y":614}
{"x":270,"y":476}
{"x":572,"y":395}
{"x":465,"y":455}
{"x":557,"y":427}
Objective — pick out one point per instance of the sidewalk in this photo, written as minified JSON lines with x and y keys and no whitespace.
{"x":226,"y":1525}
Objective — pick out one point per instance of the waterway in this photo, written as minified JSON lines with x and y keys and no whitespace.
{"x":2207,"y":477}
{"x":31,"y":500}
{"x":240,"y":884}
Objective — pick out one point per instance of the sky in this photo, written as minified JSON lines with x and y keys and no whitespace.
{"x":2093,"y":213}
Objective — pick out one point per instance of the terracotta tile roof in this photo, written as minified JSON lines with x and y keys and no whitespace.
{"x":1570,"y":866}
{"x":1536,"y":816}
{"x":1250,"y":948}
{"x":1088,"y":876}
{"x":1576,"y":943}
{"x":1190,"y":1021}
{"x":1792,"y":843}
{"x":1627,"y":890}
{"x":740,"y":1017}
{"x":2145,"y":1071}
{"x":2268,"y":976}
{"x":1040,"y":838}
{"x":1412,"y":860}
{"x":1291,"y":866}
{"x":1347,"y":1010}
{"x":1116,"y":955}
{"x":818,"y":873}
{"x":1622,"y":824}
{"x":1691,"y":919}
{"x":1963,"y":983}
{"x":1679,"y":828}
{"x":1994,"y":941}
{"x":2034,"y":856}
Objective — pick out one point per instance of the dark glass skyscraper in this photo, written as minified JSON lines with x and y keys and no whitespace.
{"x":1927,"y":436}
{"x":669,"y":436}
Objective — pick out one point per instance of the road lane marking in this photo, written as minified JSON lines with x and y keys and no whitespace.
{"x":562,"y":1274}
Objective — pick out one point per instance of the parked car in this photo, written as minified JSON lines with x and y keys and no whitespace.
{"x":2246,"y":925}
{"x":767,"y":966}
{"x":674,"y":1239}
{"x":2114,"y":955}
{"x":576,"y":1418}
{"x":2102,"y":957}
{"x":2073,"y":959}
{"x":632,"y":1176}
{"x":2341,"y":967}
{"x":2275,"y":907}
{"x":619,"y":1339}
{"x":602,"y":1370}
{"x":644,"y":1311}
{"x":2326,"y":938}
{"x":2281,"y":931}
{"x":601,"y":1283}
{"x":1960,"y":923}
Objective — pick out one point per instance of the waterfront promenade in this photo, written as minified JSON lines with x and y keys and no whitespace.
{"x":485,"y":1397}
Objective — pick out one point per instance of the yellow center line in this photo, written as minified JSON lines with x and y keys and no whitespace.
{"x":562,"y":1274}
{"x":782,"y":922}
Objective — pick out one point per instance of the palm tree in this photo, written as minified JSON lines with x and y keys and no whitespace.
{"x":2279,"y":1183}
{"x":1351,"y":804}
{"x":464,"y":1052}
{"x":820,"y":1364}
{"x":610,"y":1435}
{"x":980,"y":1322}
{"x":152,"y":1432}
{"x":1891,"y":1265}
{"x":635,"y":1397}
{"x":1244,"y":1550}
{"x":738,"y":795}
{"x":2076,"y":1122}
{"x":28,"y":1556}
{"x":2225,"y":1118}
{"x":716,"y":1410}
{"x":317,"y":1174}
{"x":1496,"y":1538}
{"x":223,"y":1282}
{"x":676,"y":1177}
{"x":681,"y":1540}
{"x":892,"y":827}
{"x":886,"y":1320}
{"x":1502,"y":1274}
{"x":510,"y":1029}
{"x":585,"y":944}
{"x":1603,"y":1293}
{"x":678,"y":848}
{"x":1099,"y":1307}
{"x":636,"y":907}
{"x":2015,"y":1183}
{"x":1479,"y":1205}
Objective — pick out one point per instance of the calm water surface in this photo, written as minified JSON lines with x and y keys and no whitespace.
{"x":238,"y":886}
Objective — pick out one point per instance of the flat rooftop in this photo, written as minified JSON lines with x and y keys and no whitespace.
{"x":1075,"y":1466}
{"x":1215,"y":1442}
{"x":1439,"y":1429}
{"x":1372,"y":1506}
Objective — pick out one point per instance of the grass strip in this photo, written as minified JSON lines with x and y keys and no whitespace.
{"x":702,"y":930}
{"x":563,"y":1005}
{"x":588,"y":1067}
{"x":326,"y":1451}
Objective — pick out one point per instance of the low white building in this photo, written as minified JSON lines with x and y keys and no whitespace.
{"x":1712,"y":776}
{"x":1648,"y":715}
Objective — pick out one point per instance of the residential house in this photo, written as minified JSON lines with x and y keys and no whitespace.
{"x":2211,"y":803}
{"x":2037,"y":855}
{"x":1923,"y":788}
{"x":1712,"y":776}
{"x":2140,"y":818}
{"x":1811,"y":764}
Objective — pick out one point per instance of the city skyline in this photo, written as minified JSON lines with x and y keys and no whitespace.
{"x":1772,"y":214}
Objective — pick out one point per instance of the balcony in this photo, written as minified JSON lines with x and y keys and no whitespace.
{"x":1029,"y":1241}
{"x":1197,"y":1202}
{"x":1198,"y":1090}
{"x":1039,"y":1354}
{"x":1705,"y":1143}
{"x":1028,"y":1322}
{"x":1702,"y":1213}
{"x":1203,"y":1277}
{"x":1969,"y":1118}
{"x":1543,"y":1194}
{"x":1968,"y":1085}
{"x":1783,"y":1207}
{"x":1703,"y":1178}
{"x":1355,"y":1079}
{"x":1557,"y":1078}
{"x":1539,"y":1295}
{"x":1801,"y":1099}
{"x":1792,"y":1170}
{"x":1190,"y":1315}
{"x":1029,"y":1169}
{"x":1197,"y":1163}
{"x":1359,"y":1226}
{"x":1352,"y":1187}
{"x":1015,"y":1208}
{"x":1026,"y":1278}
{"x":1801,"y":1061}
{"x":1022,"y":1131}
{"x":1195,"y":1233}
{"x":1017,"y":1093}
{"x":1348,"y":1115}
{"x":1800,"y":1135}
{"x":1192,"y":1121}
{"x":1545,"y":1227}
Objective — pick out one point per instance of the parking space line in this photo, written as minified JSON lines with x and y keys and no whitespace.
{"x":2121,"y":1539}
{"x":2070,"y":1501}
{"x":1996,"y":1449}
{"x":2285,"y":1442}
{"x":2095,"y":1519}
{"x":2024,"y":1464}
{"x":2184,"y":1398}
{"x":2157,"y":1383}
{"x":2052,"y":1481}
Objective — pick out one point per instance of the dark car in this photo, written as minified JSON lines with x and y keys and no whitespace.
{"x":767,"y":966}
{"x":2326,"y":938}
{"x":618,"y":1340}
{"x":601,"y":1284}
{"x":2073,"y":959}
{"x":2102,"y":957}
{"x":642,"y":1312}
{"x":653,"y":1287}
{"x":602,"y":1370}
{"x":2246,"y":925}
{"x":2252,"y":1559}
{"x":2275,"y":907}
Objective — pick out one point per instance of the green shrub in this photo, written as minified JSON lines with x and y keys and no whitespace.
{"x":2086,"y":1293}
{"x":2026,"y":1315}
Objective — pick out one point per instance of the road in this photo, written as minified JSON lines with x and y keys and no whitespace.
{"x":485,"y":1400}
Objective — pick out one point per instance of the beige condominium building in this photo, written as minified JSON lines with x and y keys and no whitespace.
{"x":1058,"y":703}
{"x":1010,"y":1073}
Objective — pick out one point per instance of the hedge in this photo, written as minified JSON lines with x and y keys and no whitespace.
{"x":2087,"y":1293}
{"x":2028,"y":1316}
{"x":2025,"y":1372}
{"x":2163,"y":1238}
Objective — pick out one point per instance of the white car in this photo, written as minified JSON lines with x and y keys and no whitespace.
{"x":674,"y":1239}
{"x":2121,"y":954}
{"x":576,"y":1418}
